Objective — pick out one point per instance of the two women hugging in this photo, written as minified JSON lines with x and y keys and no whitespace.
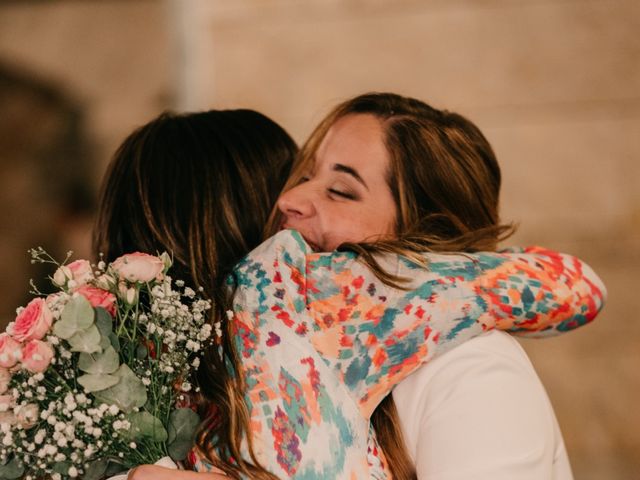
{"x":347,"y":265}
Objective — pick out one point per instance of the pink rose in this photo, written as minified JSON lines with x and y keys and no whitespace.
{"x":6,"y":403}
{"x":6,"y":410}
{"x":7,"y":417}
{"x":36,"y":356}
{"x":5,"y":378}
{"x":79,"y":271}
{"x":99,"y":298}
{"x":33,"y":322}
{"x":27,"y":415}
{"x":10,"y":351}
{"x":138,"y":267}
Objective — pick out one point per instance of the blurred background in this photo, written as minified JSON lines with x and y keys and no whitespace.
{"x":554,"y":84}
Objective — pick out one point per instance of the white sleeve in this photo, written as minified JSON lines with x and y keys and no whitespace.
{"x":480,"y":412}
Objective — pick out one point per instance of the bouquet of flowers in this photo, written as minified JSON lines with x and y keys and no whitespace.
{"x":95,"y":379}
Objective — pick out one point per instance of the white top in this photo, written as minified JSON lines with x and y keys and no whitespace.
{"x":480,"y":412}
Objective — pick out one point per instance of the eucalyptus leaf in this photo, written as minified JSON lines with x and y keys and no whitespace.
{"x":12,"y":469}
{"x":104,"y":343}
{"x":96,"y":469}
{"x":104,"y":321}
{"x":97,"y":383}
{"x":77,"y":315}
{"x":115,"y":468}
{"x":115,"y":341}
{"x":128,"y":393}
{"x":62,"y":468}
{"x":99,"y":363}
{"x":146,"y":426}
{"x":183,"y":424}
{"x":141,"y":352}
{"x":87,"y":340}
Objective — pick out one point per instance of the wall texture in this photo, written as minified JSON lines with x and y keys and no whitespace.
{"x":554,"y":84}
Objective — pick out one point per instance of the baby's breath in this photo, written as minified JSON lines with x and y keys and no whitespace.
{"x":51,"y":426}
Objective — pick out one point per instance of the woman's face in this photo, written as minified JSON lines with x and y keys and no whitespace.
{"x":345,"y":198}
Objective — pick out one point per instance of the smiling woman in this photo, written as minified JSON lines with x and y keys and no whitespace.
{"x":345,"y":196}
{"x":384,"y":173}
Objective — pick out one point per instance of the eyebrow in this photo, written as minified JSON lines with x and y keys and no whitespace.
{"x":338,"y":167}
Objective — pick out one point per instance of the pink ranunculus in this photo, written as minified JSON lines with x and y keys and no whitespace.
{"x":5,"y":378}
{"x":36,"y":356}
{"x":99,"y":298}
{"x":33,"y":322}
{"x":138,"y":267}
{"x":10,"y":351}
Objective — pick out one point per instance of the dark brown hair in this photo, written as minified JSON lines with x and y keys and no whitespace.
{"x":445,"y":181}
{"x":200,"y":186}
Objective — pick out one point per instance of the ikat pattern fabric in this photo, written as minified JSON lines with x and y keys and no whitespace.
{"x":323,"y":341}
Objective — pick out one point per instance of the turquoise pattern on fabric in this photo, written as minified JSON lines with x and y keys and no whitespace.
{"x":323,"y":341}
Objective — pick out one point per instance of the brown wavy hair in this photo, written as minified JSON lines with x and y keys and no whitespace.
{"x":445,"y":180}
{"x":200,"y":186}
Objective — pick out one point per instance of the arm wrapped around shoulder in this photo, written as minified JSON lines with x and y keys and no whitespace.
{"x":536,"y":291}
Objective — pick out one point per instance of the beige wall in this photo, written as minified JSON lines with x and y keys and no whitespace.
{"x":554,"y":84}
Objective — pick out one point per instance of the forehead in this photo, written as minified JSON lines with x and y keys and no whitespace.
{"x":357,"y":141}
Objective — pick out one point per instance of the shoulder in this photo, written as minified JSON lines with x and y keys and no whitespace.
{"x":479,"y":364}
{"x":279,"y":244}
{"x":485,"y":397}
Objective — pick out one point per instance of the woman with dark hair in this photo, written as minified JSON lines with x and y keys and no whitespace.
{"x":316,"y":340}
{"x":201,"y":186}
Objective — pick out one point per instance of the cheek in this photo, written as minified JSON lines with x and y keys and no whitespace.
{"x":379,"y":219}
{"x":355,"y":222}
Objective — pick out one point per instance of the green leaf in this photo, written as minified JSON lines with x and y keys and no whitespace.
{"x":183,"y":424}
{"x":77,"y":315}
{"x":104,"y":343}
{"x":96,"y":383}
{"x":87,"y":340}
{"x":146,"y":426}
{"x":104,"y":322}
{"x":99,"y":363}
{"x":115,"y":341}
{"x":62,"y":468}
{"x":12,"y":470}
{"x":96,"y":469}
{"x":115,"y":468}
{"x":128,"y":393}
{"x":141,"y":352}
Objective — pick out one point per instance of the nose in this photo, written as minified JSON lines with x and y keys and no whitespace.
{"x":297,"y":203}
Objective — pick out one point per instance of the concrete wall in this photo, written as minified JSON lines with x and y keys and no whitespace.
{"x":554,"y":84}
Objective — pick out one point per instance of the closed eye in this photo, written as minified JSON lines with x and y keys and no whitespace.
{"x":341,"y":194}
